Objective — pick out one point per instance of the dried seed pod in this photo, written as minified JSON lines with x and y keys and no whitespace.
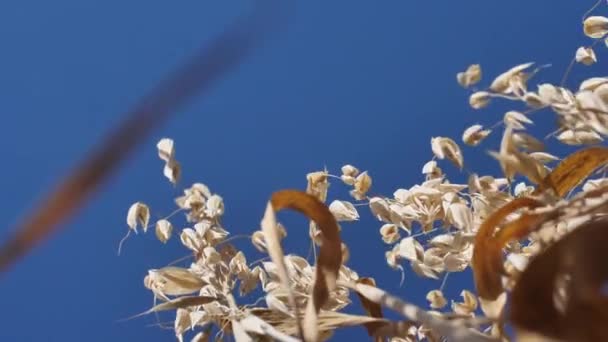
{"x":585,"y":55}
{"x":469,"y":77}
{"x":595,"y":26}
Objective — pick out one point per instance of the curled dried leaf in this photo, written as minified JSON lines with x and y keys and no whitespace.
{"x":560,"y":295}
{"x":330,"y":255}
{"x":487,"y":255}
{"x":573,"y":170}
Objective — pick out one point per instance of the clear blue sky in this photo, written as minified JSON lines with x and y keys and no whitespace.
{"x":361,"y":82}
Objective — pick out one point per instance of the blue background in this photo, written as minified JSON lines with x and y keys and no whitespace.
{"x":360,"y":82}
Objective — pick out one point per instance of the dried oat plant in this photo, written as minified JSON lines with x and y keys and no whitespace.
{"x":534,"y":236}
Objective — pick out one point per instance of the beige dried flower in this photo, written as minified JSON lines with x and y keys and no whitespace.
{"x":595,"y":26}
{"x":579,"y":137}
{"x":513,"y":81}
{"x":166,"y":149}
{"x":431,"y":170}
{"x":446,"y":148}
{"x":592,"y":83}
{"x":362,"y":184}
{"x":166,"y":152}
{"x":138,"y":214}
{"x":469,"y":77}
{"x":349,"y":173}
{"x":318,"y":184}
{"x":516,"y":119}
{"x":534,"y":100}
{"x":343,"y":211}
{"x":479,"y":99}
{"x":474,"y":135}
{"x":585,"y":55}
{"x":410,"y":249}
{"x":163,"y":230}
{"x":467,"y":306}
{"x":527,"y":142}
{"x":389,"y":233}
{"x":436,"y":299}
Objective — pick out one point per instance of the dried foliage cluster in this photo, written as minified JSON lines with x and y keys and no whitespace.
{"x":535,"y":237}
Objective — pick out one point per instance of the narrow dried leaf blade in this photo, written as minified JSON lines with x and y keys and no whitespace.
{"x":580,"y":257}
{"x":330,"y":255}
{"x":372,"y":309}
{"x":197,"y":75}
{"x":275,"y":251}
{"x":487,"y":254}
{"x":179,"y":303}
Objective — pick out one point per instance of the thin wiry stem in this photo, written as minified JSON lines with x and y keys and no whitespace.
{"x":567,"y":72}
{"x":445,"y":279}
{"x":181,"y":259}
{"x":234,"y":237}
{"x":597,"y":3}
